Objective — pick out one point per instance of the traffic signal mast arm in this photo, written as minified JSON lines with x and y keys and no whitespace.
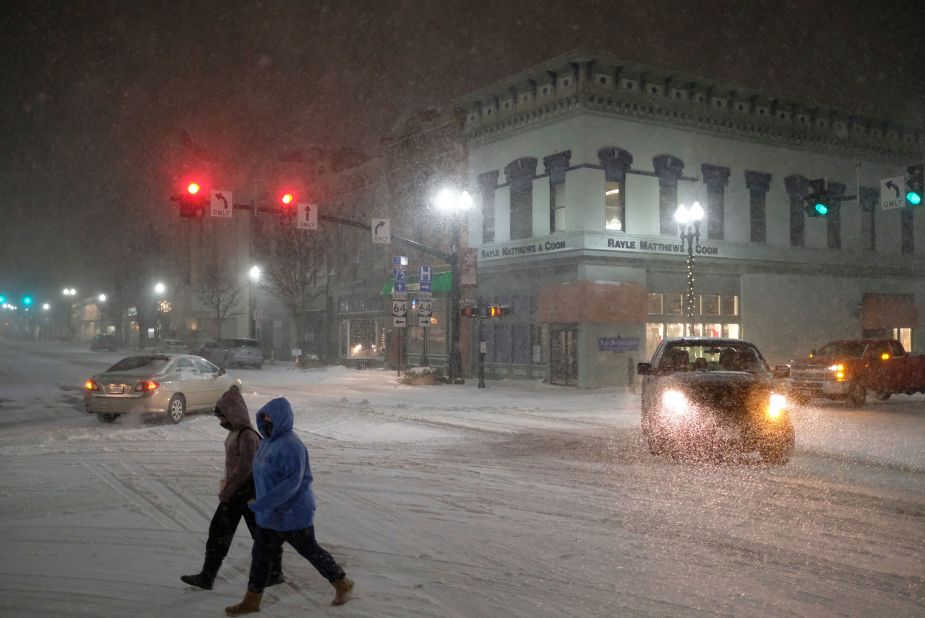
{"x":443,"y":255}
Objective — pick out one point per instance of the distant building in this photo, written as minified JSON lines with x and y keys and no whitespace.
{"x":578,"y":166}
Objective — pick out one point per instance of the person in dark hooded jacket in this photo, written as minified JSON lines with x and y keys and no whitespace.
{"x":285,"y":508}
{"x":236,"y":489}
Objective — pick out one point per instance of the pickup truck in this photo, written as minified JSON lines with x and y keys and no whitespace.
{"x":849,"y":369}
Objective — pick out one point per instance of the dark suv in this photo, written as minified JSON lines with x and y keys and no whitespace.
{"x":705,"y":396}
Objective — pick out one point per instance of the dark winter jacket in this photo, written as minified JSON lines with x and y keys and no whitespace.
{"x":241,"y":443}
{"x":282,"y":473}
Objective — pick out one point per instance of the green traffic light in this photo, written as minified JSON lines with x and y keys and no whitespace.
{"x":821,"y":208}
{"x":914,"y":198}
{"x":26,"y":300}
{"x":2,"y":299}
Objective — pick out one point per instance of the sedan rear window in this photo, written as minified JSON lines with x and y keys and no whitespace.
{"x":151,"y":363}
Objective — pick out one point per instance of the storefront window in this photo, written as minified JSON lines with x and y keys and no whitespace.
{"x":674,"y":304}
{"x":361,"y":338}
{"x":674,"y":330}
{"x":731,"y":331}
{"x":712,"y":330}
{"x":905,"y":337}
{"x":709,"y":304}
{"x":730,"y":305}
{"x":538,"y":338}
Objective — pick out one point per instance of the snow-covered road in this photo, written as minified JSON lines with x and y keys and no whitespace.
{"x":521,"y":499}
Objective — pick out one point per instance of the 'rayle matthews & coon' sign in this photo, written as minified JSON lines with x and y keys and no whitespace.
{"x":624,"y":243}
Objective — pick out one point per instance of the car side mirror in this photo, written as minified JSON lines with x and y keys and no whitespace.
{"x":782,"y":371}
{"x":221,"y":371}
{"x":644,"y":369}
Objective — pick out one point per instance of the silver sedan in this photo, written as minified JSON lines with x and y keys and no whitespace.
{"x":156,"y":384}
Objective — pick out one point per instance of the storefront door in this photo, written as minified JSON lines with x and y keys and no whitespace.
{"x":563,"y":355}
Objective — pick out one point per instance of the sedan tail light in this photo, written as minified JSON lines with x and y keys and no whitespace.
{"x":91,"y":385}
{"x":146,"y":385}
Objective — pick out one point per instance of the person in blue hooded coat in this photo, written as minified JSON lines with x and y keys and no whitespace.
{"x":284,"y":508}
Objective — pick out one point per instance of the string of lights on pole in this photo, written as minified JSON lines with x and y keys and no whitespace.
{"x":688,"y":220}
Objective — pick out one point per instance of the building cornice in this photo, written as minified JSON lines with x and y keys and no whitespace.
{"x":603,"y":85}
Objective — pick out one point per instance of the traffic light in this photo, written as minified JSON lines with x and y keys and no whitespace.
{"x":818,"y":202}
{"x":193,"y":201}
{"x":495,"y":311}
{"x":470,"y":311}
{"x":2,"y":299}
{"x":914,"y":185}
{"x":286,"y":202}
{"x":26,"y":300}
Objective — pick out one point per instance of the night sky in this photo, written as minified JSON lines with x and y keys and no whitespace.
{"x":95,"y":95}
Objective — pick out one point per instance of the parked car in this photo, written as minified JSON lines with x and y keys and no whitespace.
{"x":706,"y":396}
{"x":233,"y":352}
{"x":849,"y":369}
{"x":104,"y":342}
{"x":170,"y":346}
{"x":170,"y":384}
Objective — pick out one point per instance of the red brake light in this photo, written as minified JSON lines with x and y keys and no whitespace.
{"x":193,"y":188}
{"x":146,"y":385}
{"x":90,"y":385}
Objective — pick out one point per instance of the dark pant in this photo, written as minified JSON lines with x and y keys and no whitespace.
{"x":224,"y":524}
{"x":269,"y":543}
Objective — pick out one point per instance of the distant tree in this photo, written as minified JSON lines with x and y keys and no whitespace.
{"x":219,"y":293}
{"x":295,"y":263}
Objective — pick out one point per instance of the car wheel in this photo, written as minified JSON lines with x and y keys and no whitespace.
{"x":883,"y":395}
{"x":106,"y":417}
{"x":778,"y":450}
{"x":176,"y":408}
{"x":857,"y":394}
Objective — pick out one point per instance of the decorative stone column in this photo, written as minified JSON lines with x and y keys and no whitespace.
{"x":833,"y":218}
{"x":797,"y":186}
{"x":669,"y":170}
{"x":758,"y":184}
{"x":616,"y":162}
{"x":487,"y":183}
{"x":716,"y":177}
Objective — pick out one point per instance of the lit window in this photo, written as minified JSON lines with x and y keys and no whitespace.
{"x":655,"y":304}
{"x":614,"y":211}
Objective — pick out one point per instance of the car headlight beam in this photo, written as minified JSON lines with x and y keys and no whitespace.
{"x":776,"y":406}
{"x":675,"y":403}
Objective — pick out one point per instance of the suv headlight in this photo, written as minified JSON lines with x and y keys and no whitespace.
{"x":776,"y":406}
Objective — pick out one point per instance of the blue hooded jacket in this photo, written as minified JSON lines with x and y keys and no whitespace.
{"x":282,"y":473}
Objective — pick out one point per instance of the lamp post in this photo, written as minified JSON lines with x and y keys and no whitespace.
{"x":688,"y":220}
{"x":159,"y":289}
{"x":454,"y":203}
{"x":253,"y":277}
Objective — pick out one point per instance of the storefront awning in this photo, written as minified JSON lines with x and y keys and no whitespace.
{"x":881,"y":311}
{"x":439,"y":282}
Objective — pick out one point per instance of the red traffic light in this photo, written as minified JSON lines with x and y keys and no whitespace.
{"x":286,"y":198}
{"x":495,"y":311}
{"x":193,"y":188}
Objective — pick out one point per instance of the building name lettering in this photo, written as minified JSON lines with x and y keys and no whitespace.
{"x":542,"y":247}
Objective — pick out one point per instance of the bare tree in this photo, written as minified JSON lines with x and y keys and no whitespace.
{"x":219,"y":293}
{"x":293,"y":260}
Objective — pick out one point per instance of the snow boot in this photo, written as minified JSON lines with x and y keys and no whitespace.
{"x":200,"y":580}
{"x":249,"y":605}
{"x":342,"y":589}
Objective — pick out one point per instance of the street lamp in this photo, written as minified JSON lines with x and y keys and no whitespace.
{"x":101,"y":298}
{"x":253,"y":277}
{"x":159,"y":290}
{"x":454,"y":203}
{"x":688,"y":220}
